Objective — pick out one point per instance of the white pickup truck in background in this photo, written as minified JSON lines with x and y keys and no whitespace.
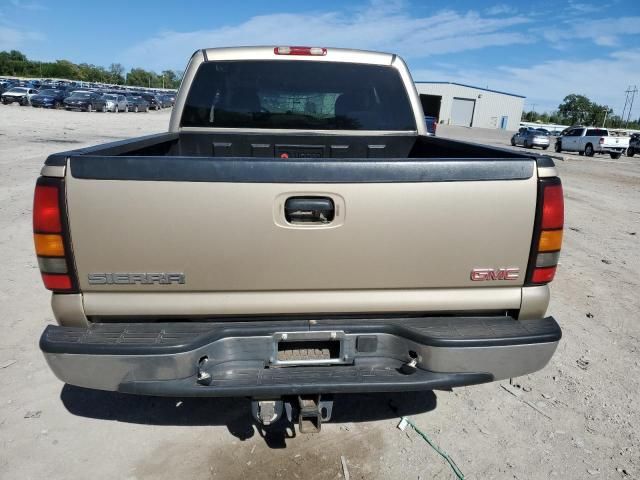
{"x":590,"y":140}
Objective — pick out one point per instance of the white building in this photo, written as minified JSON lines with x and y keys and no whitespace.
{"x":456,"y":104}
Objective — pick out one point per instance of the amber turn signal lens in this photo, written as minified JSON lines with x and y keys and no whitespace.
{"x":550,"y":240}
{"x":48,"y":245}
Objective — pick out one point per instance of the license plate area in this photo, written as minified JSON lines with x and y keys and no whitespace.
{"x":309,"y":348}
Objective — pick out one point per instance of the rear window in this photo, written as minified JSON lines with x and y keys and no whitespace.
{"x":298,"y":95}
{"x":597,"y":132}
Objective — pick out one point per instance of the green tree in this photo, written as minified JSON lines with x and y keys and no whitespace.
{"x":116,"y":73}
{"x":64,"y":69}
{"x":140,"y":77}
{"x":171,"y":78}
{"x":575,"y":108}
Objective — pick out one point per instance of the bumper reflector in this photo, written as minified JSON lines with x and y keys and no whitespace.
{"x":49,"y":245}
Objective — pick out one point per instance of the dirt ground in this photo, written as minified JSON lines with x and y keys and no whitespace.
{"x":578,"y":418}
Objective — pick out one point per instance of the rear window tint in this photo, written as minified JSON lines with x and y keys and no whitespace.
{"x":597,"y":132}
{"x":297,"y":94}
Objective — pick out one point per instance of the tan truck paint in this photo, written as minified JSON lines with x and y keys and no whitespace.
{"x":228,"y":236}
{"x":396,"y":247}
{"x":304,"y":302}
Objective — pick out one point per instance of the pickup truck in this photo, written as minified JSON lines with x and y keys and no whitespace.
{"x":296,"y":234}
{"x":591,"y":140}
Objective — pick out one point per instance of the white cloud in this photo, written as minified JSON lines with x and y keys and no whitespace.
{"x":501,"y":9}
{"x":604,"y":32}
{"x":27,"y":6}
{"x":387,"y":26}
{"x":603,"y":80}
{"x":581,"y":7}
{"x":14,"y":39}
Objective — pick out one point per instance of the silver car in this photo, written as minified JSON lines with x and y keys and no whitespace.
{"x":531,"y":137}
{"x":116,"y":103}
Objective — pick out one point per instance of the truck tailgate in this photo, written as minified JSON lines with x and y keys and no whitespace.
{"x":614,"y":142}
{"x":420,"y":225}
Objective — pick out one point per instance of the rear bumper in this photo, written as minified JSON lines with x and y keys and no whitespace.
{"x":541,"y":143}
{"x":237,"y":358}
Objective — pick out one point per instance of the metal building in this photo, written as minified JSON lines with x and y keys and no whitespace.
{"x":457,"y":104}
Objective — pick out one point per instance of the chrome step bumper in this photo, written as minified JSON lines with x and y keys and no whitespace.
{"x":239,"y":358}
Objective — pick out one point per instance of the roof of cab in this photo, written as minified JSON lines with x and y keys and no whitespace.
{"x":267,"y":53}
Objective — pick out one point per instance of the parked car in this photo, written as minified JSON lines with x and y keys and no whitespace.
{"x":137,"y":104}
{"x":194,"y":269}
{"x":170,"y":99}
{"x":21,"y":95}
{"x":591,"y":140}
{"x":87,"y":101}
{"x":155,"y":102}
{"x":531,"y":137}
{"x":6,"y":85}
{"x":116,"y":103}
{"x":167,"y":101}
{"x":634,"y":145}
{"x":49,"y":98}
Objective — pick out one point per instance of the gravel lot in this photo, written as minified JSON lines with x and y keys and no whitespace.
{"x":576,"y":419}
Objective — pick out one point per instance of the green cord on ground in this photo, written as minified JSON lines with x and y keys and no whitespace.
{"x":449,"y":460}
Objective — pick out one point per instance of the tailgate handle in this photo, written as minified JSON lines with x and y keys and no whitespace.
{"x":309,"y":210}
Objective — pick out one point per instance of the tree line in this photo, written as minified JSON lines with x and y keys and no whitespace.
{"x":580,"y":110}
{"x":16,"y":64}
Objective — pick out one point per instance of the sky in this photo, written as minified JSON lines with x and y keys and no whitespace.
{"x":542,"y":49}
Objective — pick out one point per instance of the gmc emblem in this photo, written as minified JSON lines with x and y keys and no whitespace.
{"x":486,"y":274}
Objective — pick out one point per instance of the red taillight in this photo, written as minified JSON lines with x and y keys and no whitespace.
{"x":46,"y":209}
{"x":552,"y":207}
{"x":57,"y":282}
{"x":49,"y":236}
{"x":300,"y":51}
{"x":547,"y":238}
{"x":543,"y":275}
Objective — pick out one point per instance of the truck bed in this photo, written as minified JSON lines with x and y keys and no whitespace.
{"x":226,"y":145}
{"x":200,"y":205}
